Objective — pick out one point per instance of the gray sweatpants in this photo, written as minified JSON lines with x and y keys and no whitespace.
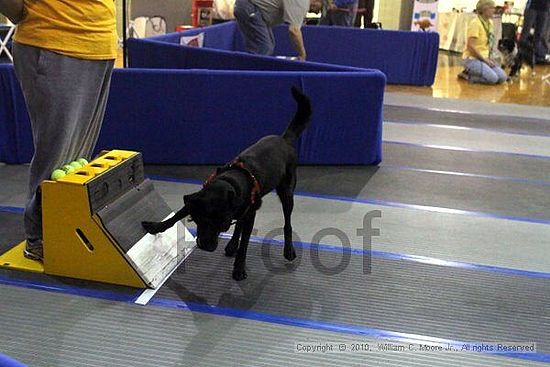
{"x":66,"y":99}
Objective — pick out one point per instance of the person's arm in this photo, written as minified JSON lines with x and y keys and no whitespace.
{"x":14,"y":10}
{"x":473,"y":50}
{"x":294,"y":13}
{"x":297,"y":39}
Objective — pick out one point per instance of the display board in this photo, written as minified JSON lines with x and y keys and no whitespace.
{"x":425,"y":16}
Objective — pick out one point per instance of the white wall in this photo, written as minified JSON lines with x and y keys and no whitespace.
{"x":392,"y":13}
{"x":176,"y":12}
{"x":448,"y":5}
{"x":375,"y":12}
{"x":389,"y":12}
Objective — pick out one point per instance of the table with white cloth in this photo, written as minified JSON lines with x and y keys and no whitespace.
{"x":452,"y":27}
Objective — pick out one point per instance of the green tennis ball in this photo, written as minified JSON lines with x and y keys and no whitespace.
{"x":68,"y":168}
{"x":57,"y":174}
{"x":82,"y":161}
{"x":75,"y":165}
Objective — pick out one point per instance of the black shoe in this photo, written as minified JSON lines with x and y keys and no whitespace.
{"x":464,"y":75}
{"x":34,"y":250}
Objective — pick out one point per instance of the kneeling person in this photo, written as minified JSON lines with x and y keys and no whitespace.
{"x":479,"y":65}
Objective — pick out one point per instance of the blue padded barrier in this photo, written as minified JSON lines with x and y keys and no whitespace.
{"x":208,"y":116}
{"x":405,"y":57}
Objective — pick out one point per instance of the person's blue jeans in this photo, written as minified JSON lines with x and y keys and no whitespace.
{"x":258,"y":36}
{"x":480,"y":72}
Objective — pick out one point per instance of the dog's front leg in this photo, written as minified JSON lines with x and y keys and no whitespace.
{"x":239,"y":267}
{"x":233,"y":244}
{"x":158,"y":227}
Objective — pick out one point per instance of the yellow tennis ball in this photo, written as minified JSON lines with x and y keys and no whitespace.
{"x":57,"y":174}
{"x":68,"y":168}
{"x":82,"y":161}
{"x":75,"y":165}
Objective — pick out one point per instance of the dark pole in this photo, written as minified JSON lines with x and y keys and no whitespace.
{"x":124,"y":25}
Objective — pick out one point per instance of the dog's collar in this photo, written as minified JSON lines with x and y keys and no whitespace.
{"x":239,"y":165}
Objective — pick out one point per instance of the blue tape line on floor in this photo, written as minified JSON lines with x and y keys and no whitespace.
{"x":339,"y":328}
{"x":397,"y":257}
{"x":12,"y":209}
{"x":379,"y":254}
{"x":470,"y":175}
{"x":255,"y":316}
{"x":435,"y":209}
{"x":271,"y":318}
{"x":509,"y":131}
{"x":460,"y":149}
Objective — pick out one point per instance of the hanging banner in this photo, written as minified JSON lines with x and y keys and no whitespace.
{"x":425,"y":16}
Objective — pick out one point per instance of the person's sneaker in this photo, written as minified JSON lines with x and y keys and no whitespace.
{"x":34,"y":250}
{"x":464,"y":75}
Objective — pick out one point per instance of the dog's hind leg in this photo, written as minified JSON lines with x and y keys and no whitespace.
{"x":239,"y":267}
{"x":233,"y":245}
{"x":286,"y":195}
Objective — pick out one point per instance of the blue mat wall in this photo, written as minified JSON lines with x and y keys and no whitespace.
{"x":208,"y":116}
{"x":405,"y":57}
{"x":145,"y":54}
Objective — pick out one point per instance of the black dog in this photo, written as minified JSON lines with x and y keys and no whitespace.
{"x":509,"y":51}
{"x":525,"y":56}
{"x":234,"y":192}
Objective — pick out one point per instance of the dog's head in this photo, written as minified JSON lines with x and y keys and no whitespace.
{"x":506,"y":46}
{"x":212,"y":209}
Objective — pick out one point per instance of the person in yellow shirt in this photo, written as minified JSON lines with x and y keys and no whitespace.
{"x":64,"y":52}
{"x":480,"y":39}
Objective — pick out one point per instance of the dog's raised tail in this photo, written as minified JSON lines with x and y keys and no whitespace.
{"x":301,"y":118}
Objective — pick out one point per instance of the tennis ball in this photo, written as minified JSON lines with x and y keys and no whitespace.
{"x":75,"y":165}
{"x":82,"y":161}
{"x":68,"y":168}
{"x":57,"y":174}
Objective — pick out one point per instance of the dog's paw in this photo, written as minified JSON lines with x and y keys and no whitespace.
{"x":289,"y":253}
{"x":231,"y":249}
{"x":239,"y":274}
{"x":150,"y":227}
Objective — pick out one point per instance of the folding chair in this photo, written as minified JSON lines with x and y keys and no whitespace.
{"x":9,"y":29}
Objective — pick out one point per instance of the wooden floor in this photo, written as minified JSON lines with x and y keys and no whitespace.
{"x":525,"y":89}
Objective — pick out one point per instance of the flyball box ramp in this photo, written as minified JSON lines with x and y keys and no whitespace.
{"x":92,"y":226}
